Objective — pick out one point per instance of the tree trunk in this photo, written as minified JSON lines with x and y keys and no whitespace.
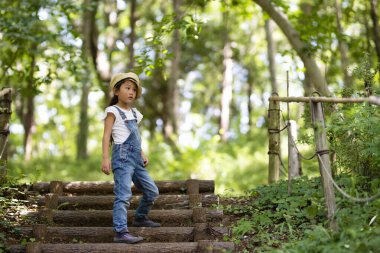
{"x":28,"y":121}
{"x":271,"y":48}
{"x":307,"y":84}
{"x":226,"y":82}
{"x":249,"y":94}
{"x":367,"y":34}
{"x":297,"y":44}
{"x":132,"y":35}
{"x":171,"y":127}
{"x":89,"y":55}
{"x":343,"y":48}
{"x":375,"y":22}
{"x":83,"y":123}
{"x":105,"y":70}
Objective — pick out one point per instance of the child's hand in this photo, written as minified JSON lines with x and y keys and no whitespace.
{"x":145,"y":159}
{"x":106,"y":166}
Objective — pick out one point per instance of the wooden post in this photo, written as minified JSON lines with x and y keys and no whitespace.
{"x":56,"y":187}
{"x":46,"y":215}
{"x":324,"y":162}
{"x":5,"y":113}
{"x":205,"y":246}
{"x":199,"y":215}
{"x":40,"y":232}
{"x":195,"y":200}
{"x":51,"y":201}
{"x":293,"y":162}
{"x":274,"y":140}
{"x":192,"y":186}
{"x":200,"y":231}
{"x":34,"y":247}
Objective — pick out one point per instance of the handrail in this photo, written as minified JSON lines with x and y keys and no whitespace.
{"x":372,"y":99}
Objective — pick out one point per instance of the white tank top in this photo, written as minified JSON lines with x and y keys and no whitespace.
{"x":120,"y":132}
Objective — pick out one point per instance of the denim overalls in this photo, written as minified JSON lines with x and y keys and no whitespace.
{"x":127,"y":166}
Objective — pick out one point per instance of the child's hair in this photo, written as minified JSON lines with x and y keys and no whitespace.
{"x":115,"y":98}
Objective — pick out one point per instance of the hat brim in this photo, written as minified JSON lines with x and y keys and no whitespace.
{"x":131,"y":79}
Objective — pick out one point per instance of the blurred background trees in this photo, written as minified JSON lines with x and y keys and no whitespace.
{"x":207,"y":69}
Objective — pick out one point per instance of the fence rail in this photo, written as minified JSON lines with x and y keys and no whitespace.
{"x":372,"y":99}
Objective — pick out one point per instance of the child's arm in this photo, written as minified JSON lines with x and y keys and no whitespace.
{"x":106,"y":162}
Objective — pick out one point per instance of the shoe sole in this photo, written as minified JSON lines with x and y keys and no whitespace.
{"x":128,"y":242}
{"x":142,"y":226}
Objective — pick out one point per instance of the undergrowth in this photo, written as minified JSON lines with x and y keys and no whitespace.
{"x":13,"y":201}
{"x":268,"y":219}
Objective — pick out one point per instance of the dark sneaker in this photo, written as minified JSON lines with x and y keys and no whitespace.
{"x":127,"y":238}
{"x":145,"y":222}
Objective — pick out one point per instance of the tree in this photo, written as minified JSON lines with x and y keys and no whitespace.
{"x":89,"y":55}
{"x":22,"y":43}
{"x":298,"y":45}
{"x":271,"y":53}
{"x":227,"y":80}
{"x":132,"y":35}
{"x":172,"y":99}
{"x":343,"y":48}
{"x":375,"y":27}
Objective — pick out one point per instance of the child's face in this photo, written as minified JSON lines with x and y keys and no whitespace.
{"x":127,"y":92}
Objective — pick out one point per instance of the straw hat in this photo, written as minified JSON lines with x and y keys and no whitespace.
{"x":129,"y":76}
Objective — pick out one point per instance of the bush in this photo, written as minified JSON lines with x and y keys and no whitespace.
{"x":355,"y":137}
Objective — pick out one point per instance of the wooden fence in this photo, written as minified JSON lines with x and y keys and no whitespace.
{"x":322,"y":153}
{"x":5,"y":113}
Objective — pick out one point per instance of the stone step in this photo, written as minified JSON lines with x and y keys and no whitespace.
{"x":105,"y":234}
{"x":103,"y":188}
{"x":163,"y":247}
{"x":96,"y":218}
{"x":106,"y":202}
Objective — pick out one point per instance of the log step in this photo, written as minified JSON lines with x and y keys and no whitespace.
{"x":106,"y":202}
{"x":102,"y":188}
{"x":167,"y":218}
{"x":181,"y":247}
{"x":105,"y":234}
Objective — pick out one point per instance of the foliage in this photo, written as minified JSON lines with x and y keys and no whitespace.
{"x":268,"y":218}
{"x":355,"y":135}
{"x":155,"y":45}
{"x":364,"y":72}
{"x":13,"y":199}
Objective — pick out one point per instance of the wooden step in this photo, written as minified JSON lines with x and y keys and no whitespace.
{"x":105,"y":234}
{"x":180,"y":247}
{"x":102,"y":188}
{"x":167,"y":218}
{"x":106,"y":202}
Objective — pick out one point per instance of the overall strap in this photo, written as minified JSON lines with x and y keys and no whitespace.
{"x":134,"y":114}
{"x":122,"y":114}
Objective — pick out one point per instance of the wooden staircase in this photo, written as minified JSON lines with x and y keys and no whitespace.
{"x":77,"y":217}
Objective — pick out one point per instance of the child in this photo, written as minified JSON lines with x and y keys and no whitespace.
{"x":128,"y":160}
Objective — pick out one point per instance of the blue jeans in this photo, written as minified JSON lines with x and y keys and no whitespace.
{"x":127,"y":167}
